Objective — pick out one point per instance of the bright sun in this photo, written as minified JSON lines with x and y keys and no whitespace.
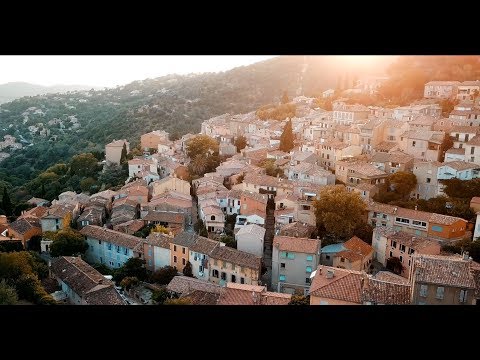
{"x":359,"y":59}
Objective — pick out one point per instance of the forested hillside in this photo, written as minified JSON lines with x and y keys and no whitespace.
{"x":54,"y":127}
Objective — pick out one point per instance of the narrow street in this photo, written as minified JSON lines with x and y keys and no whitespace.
{"x":268,"y":243}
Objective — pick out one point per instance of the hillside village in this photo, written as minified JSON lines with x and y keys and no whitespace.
{"x":246,"y":230}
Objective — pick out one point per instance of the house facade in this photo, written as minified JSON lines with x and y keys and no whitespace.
{"x":293,"y":261}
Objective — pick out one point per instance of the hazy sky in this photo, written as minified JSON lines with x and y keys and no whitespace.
{"x":110,"y":70}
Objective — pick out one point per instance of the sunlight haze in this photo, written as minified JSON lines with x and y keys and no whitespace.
{"x":110,"y":71}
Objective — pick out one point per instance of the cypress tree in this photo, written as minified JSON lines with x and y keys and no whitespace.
{"x":286,"y":140}
{"x":123,"y":156}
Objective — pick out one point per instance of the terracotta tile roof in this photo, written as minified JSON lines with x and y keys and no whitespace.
{"x":423,"y":120}
{"x":241,"y":294}
{"x":359,"y":246}
{"x":23,"y":225}
{"x":252,"y":230}
{"x":349,"y":255}
{"x":414,"y":242}
{"x":275,"y":298}
{"x":185,"y":239}
{"x":35,"y":201}
{"x":385,"y":146}
{"x":443,"y":270}
{"x":58,"y":211}
{"x":465,"y":129}
{"x":297,"y":229}
{"x":237,"y":257}
{"x":37,"y":212}
{"x":474,"y":141}
{"x":132,"y":225}
{"x":362,"y":168}
{"x":442,"y":83}
{"x":111,"y":236}
{"x":124,"y":201}
{"x":204,"y":245}
{"x":345,"y":285}
{"x":300,"y":245}
{"x":165,"y":216}
{"x":212,"y":210}
{"x":185,"y":285}
{"x":265,"y":180}
{"x":199,"y":297}
{"x":262,"y":198}
{"x":475,"y":200}
{"x":118,"y":143}
{"x":386,"y":293}
{"x":461,"y":165}
{"x":158,"y":240}
{"x":425,"y":135}
{"x":396,"y":157}
{"x":85,"y":281}
{"x":456,"y":151}
{"x":391,"y":277}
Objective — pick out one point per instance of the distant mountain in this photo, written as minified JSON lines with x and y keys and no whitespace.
{"x":14,"y":90}
{"x":54,"y":127}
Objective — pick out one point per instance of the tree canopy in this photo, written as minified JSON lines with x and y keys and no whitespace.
{"x":331,"y":209}
{"x":67,"y":242}
{"x":286,"y":139}
{"x":164,"y":275}
{"x":241,"y":143}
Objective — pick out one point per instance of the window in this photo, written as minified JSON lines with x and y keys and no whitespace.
{"x":437,"y":228}
{"x":419,"y":223}
{"x":307,"y":280}
{"x":215,"y":273}
{"x":472,"y":150}
{"x":282,"y":278}
{"x":394,"y":244}
{"x":402,"y":220}
{"x":410,"y":251}
{"x":242,"y":280}
{"x":224,"y":265}
{"x":401,"y":258}
{"x":472,"y":159}
{"x":282,"y":265}
{"x":174,"y":247}
{"x":309,"y":257}
{"x":234,"y":278}
{"x":118,"y":249}
{"x":183,"y":250}
{"x":440,"y":291}
{"x":290,"y":256}
{"x":212,"y":217}
{"x":109,"y":246}
{"x":224,"y":276}
{"x":126,"y":252}
{"x":183,"y":261}
{"x":149,"y":262}
{"x":423,"y":290}
{"x":174,"y":259}
{"x":308,"y":269}
{"x":342,"y":259}
{"x":99,"y":242}
{"x":428,"y":180}
{"x":413,"y":143}
{"x":463,"y":296}
{"x":402,"y":248}
{"x":327,"y":257}
{"x":391,"y":254}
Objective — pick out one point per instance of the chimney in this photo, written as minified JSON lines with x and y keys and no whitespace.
{"x":465,"y":256}
{"x":330,"y":274}
{"x":416,"y":207}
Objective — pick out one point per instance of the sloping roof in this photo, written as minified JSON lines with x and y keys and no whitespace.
{"x":58,"y":211}
{"x":414,"y":242}
{"x":241,"y":294}
{"x":132,"y":225}
{"x":349,"y":255}
{"x":37,"y":212}
{"x":275,"y":298}
{"x":474,"y":141}
{"x":85,"y":281}
{"x":396,"y":157}
{"x":204,"y":245}
{"x":253,"y":230}
{"x":237,"y":257}
{"x":159,"y":240}
{"x":358,"y":246}
{"x":185,"y":285}
{"x":185,"y":239}
{"x":461,"y":165}
{"x":294,"y":244}
{"x":456,"y":151}
{"x":362,"y":168}
{"x":391,"y":277}
{"x":117,"y":143}
{"x":426,"y":135}
{"x":345,"y":285}
{"x":200,"y":297}
{"x":385,"y":146}
{"x":165,"y":216}
{"x":386,"y":293}
{"x":442,"y":83}
{"x":35,"y":201}
{"x":297,"y":229}
{"x":22,"y":225}
{"x":443,"y":270}
{"x":111,"y":236}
